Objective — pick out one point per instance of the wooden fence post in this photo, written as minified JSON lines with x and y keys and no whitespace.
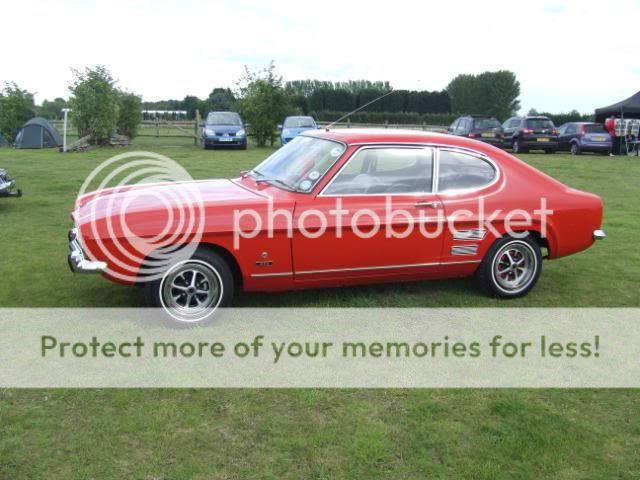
{"x":386,"y":124}
{"x":157,"y":130}
{"x":196,"y":129}
{"x":348,"y":123}
{"x":424,"y":125}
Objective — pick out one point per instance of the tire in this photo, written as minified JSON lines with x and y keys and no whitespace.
{"x":176,"y":291}
{"x":511,"y":284}
{"x":575,"y":149}
{"x":606,"y":153}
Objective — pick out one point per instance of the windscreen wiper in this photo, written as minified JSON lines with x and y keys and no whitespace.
{"x":282,"y":183}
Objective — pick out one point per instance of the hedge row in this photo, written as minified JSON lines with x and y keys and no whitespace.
{"x":392,"y":118}
{"x":443,"y":119}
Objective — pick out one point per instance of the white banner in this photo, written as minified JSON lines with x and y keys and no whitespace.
{"x":353,"y":348}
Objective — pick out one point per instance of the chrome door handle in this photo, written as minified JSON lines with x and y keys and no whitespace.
{"x":430,"y":204}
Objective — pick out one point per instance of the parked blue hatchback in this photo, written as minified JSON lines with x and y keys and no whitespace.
{"x":224,"y":129}
{"x":578,"y":137}
{"x":294,"y":126}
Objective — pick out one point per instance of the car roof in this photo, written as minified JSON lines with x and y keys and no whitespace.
{"x":358,"y":136}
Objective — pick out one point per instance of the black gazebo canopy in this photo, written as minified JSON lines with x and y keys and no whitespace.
{"x":629,"y":108}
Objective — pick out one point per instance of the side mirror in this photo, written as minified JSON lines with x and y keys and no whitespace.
{"x":279,"y":127}
{"x":449,"y":129}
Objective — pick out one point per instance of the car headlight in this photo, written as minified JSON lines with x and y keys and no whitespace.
{"x":208,"y":131}
{"x":286,"y":132}
{"x":241,"y":133}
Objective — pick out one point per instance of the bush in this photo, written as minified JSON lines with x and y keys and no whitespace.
{"x":95,"y":104}
{"x":263,"y":103}
{"x":129,"y":114}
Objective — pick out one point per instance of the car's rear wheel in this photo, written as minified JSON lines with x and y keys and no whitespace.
{"x":575,"y":149}
{"x":511,"y":267}
{"x":192,"y":290}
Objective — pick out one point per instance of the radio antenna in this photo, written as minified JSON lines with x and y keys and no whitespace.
{"x":358,"y":109}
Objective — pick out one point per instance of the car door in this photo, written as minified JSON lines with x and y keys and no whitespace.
{"x":564,"y":136}
{"x":509,"y":129}
{"x":463,"y":127}
{"x":452,"y":128}
{"x":381,"y":220}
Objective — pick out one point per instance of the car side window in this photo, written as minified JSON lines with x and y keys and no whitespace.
{"x":515,"y":123}
{"x":462,"y":126}
{"x":572,"y":129}
{"x":454,"y":125}
{"x":387,"y":170}
{"x":461,"y":171}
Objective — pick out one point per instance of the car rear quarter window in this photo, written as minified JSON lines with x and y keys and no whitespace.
{"x":463,"y":171}
{"x":393,"y":170}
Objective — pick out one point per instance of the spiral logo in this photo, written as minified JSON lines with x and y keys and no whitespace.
{"x":141,"y":212}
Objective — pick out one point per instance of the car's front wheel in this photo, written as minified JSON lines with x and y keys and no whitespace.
{"x":511,"y":267}
{"x":191,"y":290}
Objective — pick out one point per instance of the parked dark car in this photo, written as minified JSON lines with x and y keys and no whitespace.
{"x":578,"y":137}
{"x":485,"y":129}
{"x":522,"y":134}
{"x":224,"y":129}
{"x":7,"y":184}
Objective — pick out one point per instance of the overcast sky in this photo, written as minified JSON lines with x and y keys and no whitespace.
{"x":573,"y":54}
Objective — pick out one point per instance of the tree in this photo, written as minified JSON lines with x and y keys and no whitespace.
{"x":500,"y":92}
{"x":339,"y":100}
{"x":16,"y":107}
{"x":263,"y":103}
{"x":191,"y":104}
{"x":395,"y":102}
{"x":52,"y":110}
{"x":490,"y":93}
{"x":95,"y":104}
{"x":129,"y":114}
{"x":221,"y":99}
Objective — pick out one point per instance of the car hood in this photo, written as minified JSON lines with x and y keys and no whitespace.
{"x":224,"y":128}
{"x":152,"y":209}
{"x":296,"y":131}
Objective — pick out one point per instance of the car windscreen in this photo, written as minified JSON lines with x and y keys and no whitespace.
{"x":299,"y":122}
{"x":300,"y":164}
{"x":485,"y":123}
{"x":539,"y":123}
{"x":594,"y":128}
{"x":223,"y":118}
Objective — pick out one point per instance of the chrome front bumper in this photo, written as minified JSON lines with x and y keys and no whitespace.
{"x":76,"y":259}
{"x":599,"y":234}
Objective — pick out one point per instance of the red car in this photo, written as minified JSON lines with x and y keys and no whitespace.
{"x":331,"y":208}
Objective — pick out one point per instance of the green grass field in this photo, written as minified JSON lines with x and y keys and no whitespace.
{"x":359,"y":434}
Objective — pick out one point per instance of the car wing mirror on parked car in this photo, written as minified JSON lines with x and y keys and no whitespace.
{"x":279,"y":126}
